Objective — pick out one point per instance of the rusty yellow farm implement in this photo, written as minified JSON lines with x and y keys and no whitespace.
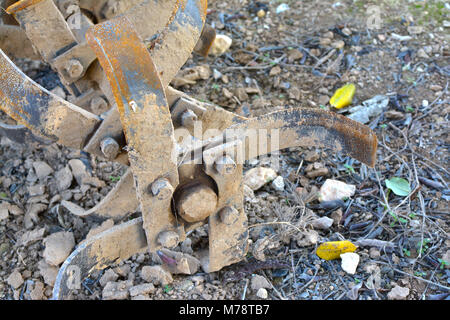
{"x":117,"y":59}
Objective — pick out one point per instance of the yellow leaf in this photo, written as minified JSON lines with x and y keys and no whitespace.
{"x":343,"y":96}
{"x":334,"y":249}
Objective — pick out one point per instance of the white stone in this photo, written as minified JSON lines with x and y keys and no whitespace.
{"x":58,"y":247}
{"x":335,"y":190}
{"x":156,"y":275}
{"x":108,"y":276}
{"x":257,"y":177}
{"x":350,"y":261}
{"x":259,"y":282}
{"x":278,"y":183}
{"x":4,"y":211}
{"x":64,"y":178}
{"x":116,"y":290}
{"x":42,"y":169}
{"x":142,"y":289}
{"x":15,"y":279}
{"x":282,"y":8}
{"x":398,"y":293}
{"x":400,"y":38}
{"x":220,"y":45}
{"x":262,"y":293}
{"x":323,"y":223}
{"x":48,"y":272}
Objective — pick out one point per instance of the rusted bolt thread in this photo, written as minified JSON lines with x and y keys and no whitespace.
{"x":188,"y":118}
{"x":229,"y":215}
{"x":110,"y":148}
{"x":168,"y":239}
{"x":225,"y":165}
{"x":74,"y":68}
{"x":99,"y":105}
{"x":162,"y":189}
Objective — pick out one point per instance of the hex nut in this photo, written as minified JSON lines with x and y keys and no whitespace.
{"x":229,"y":215}
{"x":188,"y":118}
{"x":99,"y":105}
{"x":110,"y":148}
{"x":225,"y":165}
{"x":168,"y":239}
{"x":74,"y":68}
{"x":162,"y":189}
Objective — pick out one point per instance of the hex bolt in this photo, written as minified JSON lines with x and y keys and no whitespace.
{"x":162,"y":189}
{"x":168,"y":239}
{"x":74,"y":68}
{"x":188,"y":118}
{"x":229,"y":215}
{"x":110,"y":148}
{"x":225,"y":165}
{"x":99,"y":105}
{"x":196,"y":203}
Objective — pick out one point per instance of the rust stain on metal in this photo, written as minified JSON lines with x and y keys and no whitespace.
{"x":20,"y":5}
{"x":144,"y":113}
{"x":42,"y":112}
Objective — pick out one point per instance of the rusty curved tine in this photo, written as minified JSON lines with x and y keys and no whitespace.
{"x":111,"y":246}
{"x":146,"y":121}
{"x":117,"y":204}
{"x":44,"y":113}
{"x":4,"y":16}
{"x":21,"y":5}
{"x":20,"y":134}
{"x":44,"y":25}
{"x":179,"y":39}
{"x":303,"y":127}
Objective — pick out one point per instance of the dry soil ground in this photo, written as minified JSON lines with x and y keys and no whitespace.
{"x":298,"y":57}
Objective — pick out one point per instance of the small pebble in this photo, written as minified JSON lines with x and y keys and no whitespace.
{"x":262,"y":293}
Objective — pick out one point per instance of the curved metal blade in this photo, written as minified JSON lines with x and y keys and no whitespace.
{"x":44,"y":113}
{"x":301,"y":127}
{"x":117,"y":204}
{"x":109,"y":247}
{"x":20,"y":134}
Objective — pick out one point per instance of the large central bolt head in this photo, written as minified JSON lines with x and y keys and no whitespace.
{"x":74,"y":68}
{"x":197,"y":203}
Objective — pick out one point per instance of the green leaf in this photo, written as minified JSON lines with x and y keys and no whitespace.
{"x":409,"y":109}
{"x":3,"y":195}
{"x":349,"y":168}
{"x":167,"y":288}
{"x":402,"y":220}
{"x":399,"y":186}
{"x":443,"y":263}
{"x":406,"y":252}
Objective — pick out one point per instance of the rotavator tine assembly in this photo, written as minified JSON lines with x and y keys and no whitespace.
{"x":185,"y":157}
